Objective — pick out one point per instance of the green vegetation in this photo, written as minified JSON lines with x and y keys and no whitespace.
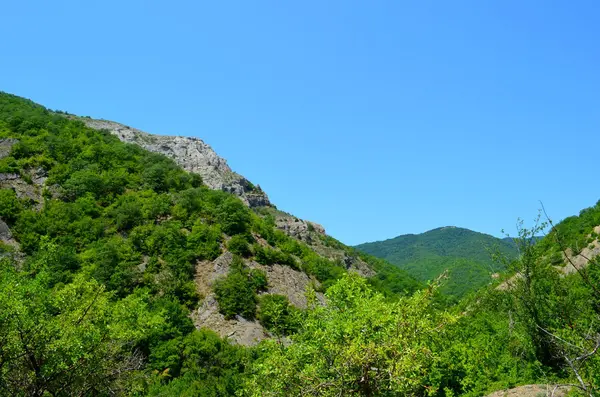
{"x":97,"y":298}
{"x":238,"y":245}
{"x":199,"y":364}
{"x":126,"y":226}
{"x":237,"y":292}
{"x":277,"y":315}
{"x":359,"y":343}
{"x":10,"y":206}
{"x":574,"y":232}
{"x":467,"y":257}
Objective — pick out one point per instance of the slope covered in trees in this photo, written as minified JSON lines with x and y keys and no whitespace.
{"x":100,"y":241}
{"x":121,"y":229}
{"x":465,"y":254}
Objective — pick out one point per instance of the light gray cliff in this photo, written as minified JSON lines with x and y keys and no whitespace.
{"x":193,"y":155}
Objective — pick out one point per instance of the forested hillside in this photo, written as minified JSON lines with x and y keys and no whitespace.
{"x":111,"y":258}
{"x":109,"y":236}
{"x":468,"y":256}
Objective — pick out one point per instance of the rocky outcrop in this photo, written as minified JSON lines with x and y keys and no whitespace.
{"x":9,"y":246}
{"x":582,"y":259}
{"x":571,"y":263}
{"x":282,"y":280}
{"x":25,"y":190}
{"x":298,"y":228}
{"x":534,"y":391}
{"x":238,"y":330}
{"x":6,"y":146}
{"x":5,"y":233}
{"x":193,"y":155}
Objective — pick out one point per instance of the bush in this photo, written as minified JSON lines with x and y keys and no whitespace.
{"x":234,"y":216}
{"x":205,"y":241}
{"x":268,"y":256}
{"x":258,"y":278}
{"x":10,"y":206}
{"x":239,"y":246}
{"x":236,"y":293}
{"x":277,"y":315}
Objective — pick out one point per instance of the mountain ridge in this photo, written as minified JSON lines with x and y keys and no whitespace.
{"x":465,"y":253}
{"x":40,"y":169}
{"x":191,"y":153}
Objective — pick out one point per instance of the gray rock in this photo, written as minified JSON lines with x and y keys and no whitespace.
{"x":5,"y":234}
{"x":237,"y":330}
{"x":193,"y":155}
{"x":297,"y":228}
{"x":9,"y":177}
{"x":6,"y":146}
{"x":38,"y":176}
{"x":23,"y":189}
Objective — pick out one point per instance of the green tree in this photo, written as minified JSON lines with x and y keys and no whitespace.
{"x":236,"y":293}
{"x":357,"y":344}
{"x":277,"y":315}
{"x":10,"y":206}
{"x":67,"y":341}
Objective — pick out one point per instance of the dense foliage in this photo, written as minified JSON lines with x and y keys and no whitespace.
{"x":358,"y":343}
{"x":237,"y":292}
{"x":277,"y":315}
{"x":464,"y":254}
{"x":96,"y":297}
{"x":131,"y":225}
{"x":574,"y":233}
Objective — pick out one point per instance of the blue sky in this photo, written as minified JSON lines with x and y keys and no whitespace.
{"x":373,"y":118}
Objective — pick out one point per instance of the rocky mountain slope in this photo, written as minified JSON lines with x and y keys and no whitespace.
{"x":53,"y":160}
{"x":121,"y":273}
{"x":193,"y":155}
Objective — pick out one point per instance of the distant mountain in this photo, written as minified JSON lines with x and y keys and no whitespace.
{"x":467,"y":255}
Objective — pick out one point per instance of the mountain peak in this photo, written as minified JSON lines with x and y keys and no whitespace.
{"x":193,"y":155}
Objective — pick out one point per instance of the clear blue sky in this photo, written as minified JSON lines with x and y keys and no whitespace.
{"x":373,"y":118}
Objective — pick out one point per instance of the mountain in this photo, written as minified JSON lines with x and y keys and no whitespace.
{"x":192,"y":154}
{"x":465,"y":254}
{"x":183,"y":219}
{"x":101,"y":222}
{"x":133,"y":264}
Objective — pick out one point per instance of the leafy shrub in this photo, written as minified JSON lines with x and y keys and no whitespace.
{"x":209,"y":366}
{"x":205,"y":241}
{"x":238,"y":245}
{"x":10,"y":206}
{"x":236,"y":293}
{"x":258,"y":278}
{"x":233,"y":216}
{"x":277,"y":315}
{"x":268,"y":256}
{"x":236,"y":296}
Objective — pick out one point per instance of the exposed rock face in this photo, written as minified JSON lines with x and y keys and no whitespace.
{"x":298,"y":228}
{"x":238,"y":330}
{"x":7,"y":239}
{"x":282,"y":280}
{"x":572,"y":263}
{"x":533,"y":391}
{"x":6,"y":146}
{"x":23,"y":189}
{"x":193,"y":155}
{"x":311,"y":233}
{"x":581,"y":260}
{"x":5,"y":234}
